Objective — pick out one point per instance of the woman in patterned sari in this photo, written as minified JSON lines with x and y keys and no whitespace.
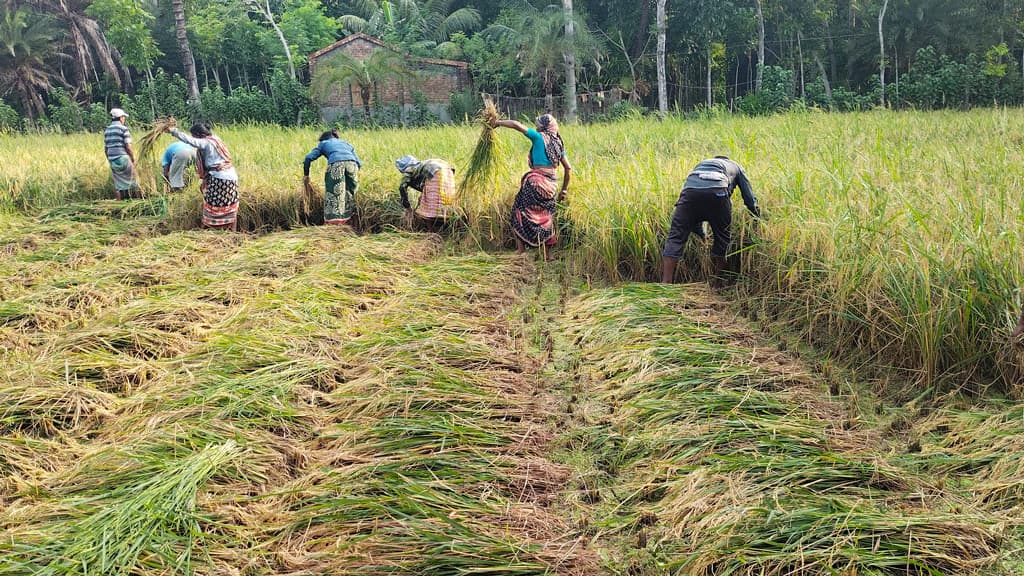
{"x":217,"y":174}
{"x":533,"y":211}
{"x":341,"y":178}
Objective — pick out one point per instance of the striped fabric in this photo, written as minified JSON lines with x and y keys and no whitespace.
{"x":438,"y":197}
{"x":115,"y":139}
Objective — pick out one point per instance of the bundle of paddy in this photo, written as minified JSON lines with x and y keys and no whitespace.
{"x":146,"y":167}
{"x":152,"y":525}
{"x":26,"y":459}
{"x":312,"y":203}
{"x":476,"y":195}
{"x":147,"y":144}
{"x":981,"y":449}
{"x":742,"y":476}
{"x":46,"y":408}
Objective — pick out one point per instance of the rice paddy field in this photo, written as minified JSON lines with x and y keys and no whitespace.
{"x":298,"y":399}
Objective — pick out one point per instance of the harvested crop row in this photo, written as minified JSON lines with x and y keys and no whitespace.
{"x":305,"y":401}
{"x":718,"y":456}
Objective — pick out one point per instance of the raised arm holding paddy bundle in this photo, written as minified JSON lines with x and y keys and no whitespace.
{"x":217,"y":172}
{"x":533,"y":211}
{"x":547,"y":148}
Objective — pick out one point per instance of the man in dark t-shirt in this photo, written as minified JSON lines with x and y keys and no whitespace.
{"x":705,"y":197}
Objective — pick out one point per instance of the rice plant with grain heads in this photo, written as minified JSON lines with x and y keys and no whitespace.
{"x":298,"y":399}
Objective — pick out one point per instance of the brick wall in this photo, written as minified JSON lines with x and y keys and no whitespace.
{"x":437,"y":81}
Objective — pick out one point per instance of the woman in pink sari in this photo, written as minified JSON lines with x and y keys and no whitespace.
{"x":533,"y":212}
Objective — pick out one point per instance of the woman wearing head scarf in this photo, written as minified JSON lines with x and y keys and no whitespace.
{"x":341,"y":178}
{"x":217,"y":173}
{"x":435,"y":180}
{"x":533,"y":211}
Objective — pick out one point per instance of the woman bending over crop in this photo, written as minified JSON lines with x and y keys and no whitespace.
{"x":434,"y":178}
{"x":533,"y":211}
{"x":341,"y":178}
{"x":217,"y":172}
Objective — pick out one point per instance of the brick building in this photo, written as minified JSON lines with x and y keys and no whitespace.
{"x":437,"y":80}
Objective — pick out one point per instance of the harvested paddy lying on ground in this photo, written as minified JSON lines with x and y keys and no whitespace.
{"x":304,"y":402}
{"x":893,"y":240}
{"x":311,"y":401}
{"x":702,"y":451}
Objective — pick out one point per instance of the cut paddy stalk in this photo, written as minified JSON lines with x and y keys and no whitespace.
{"x":377,"y":373}
{"x":369,"y":436}
{"x":728,"y":459}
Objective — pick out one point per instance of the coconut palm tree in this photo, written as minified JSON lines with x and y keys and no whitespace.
{"x":84,"y":39}
{"x":187,"y":62}
{"x":26,"y":42}
{"x":429,"y":21}
{"x":381,"y":66}
{"x":545,"y":40}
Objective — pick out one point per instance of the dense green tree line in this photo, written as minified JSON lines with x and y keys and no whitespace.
{"x":750,"y":55}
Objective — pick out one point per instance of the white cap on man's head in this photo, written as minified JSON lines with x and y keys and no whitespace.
{"x":116,"y":113}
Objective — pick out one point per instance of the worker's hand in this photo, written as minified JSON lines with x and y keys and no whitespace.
{"x":171,"y":124}
{"x":1017,"y":337}
{"x":305,"y":177}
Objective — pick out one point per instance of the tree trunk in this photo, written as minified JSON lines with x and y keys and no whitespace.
{"x":709,"y":76}
{"x":265,"y":8}
{"x":402,"y":115}
{"x":186,"y":51}
{"x":832,"y":60}
{"x":227,"y":76}
{"x":662,"y":81}
{"x":759,"y":74}
{"x":634,"y":96}
{"x":152,"y":101}
{"x":641,"y":34}
{"x":364,"y":93}
{"x":896,"y":70}
{"x":824,"y":79}
{"x":800,"y":51}
{"x":881,"y":51}
{"x":735,"y":86}
{"x":570,"y":62}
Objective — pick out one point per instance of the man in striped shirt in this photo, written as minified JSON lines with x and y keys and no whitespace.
{"x":117,"y":141}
